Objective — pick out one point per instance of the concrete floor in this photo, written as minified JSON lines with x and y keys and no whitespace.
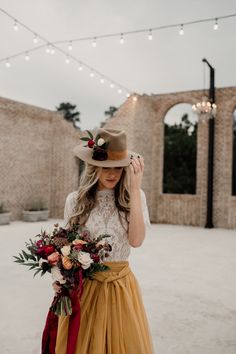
{"x":187,"y":277}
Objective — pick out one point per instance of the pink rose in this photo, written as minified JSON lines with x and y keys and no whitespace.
{"x":54,"y":258}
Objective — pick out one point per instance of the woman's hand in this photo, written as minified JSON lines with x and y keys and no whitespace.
{"x":136,"y":170}
{"x":57,"y":287}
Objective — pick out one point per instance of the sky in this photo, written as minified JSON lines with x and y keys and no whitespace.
{"x":168,"y":63}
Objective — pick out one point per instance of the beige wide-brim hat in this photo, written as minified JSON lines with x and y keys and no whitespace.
{"x":109,"y":149}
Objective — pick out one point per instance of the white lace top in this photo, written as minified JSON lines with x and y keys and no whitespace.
{"x":104,"y":218}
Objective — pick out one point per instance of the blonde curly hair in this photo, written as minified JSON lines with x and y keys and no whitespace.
{"x":86,"y":199}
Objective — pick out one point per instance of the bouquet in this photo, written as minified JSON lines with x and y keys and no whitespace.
{"x":69,"y":255}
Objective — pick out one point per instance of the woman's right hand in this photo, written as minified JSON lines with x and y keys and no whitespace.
{"x":57,"y":287}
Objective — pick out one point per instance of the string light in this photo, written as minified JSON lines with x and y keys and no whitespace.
{"x":70,"y":46}
{"x":35,"y":40}
{"x":119,"y":90}
{"x":94,"y":42}
{"x":67,"y":61}
{"x":122,"y":40}
{"x":8,"y":64}
{"x":27,"y":57}
{"x":152,"y":29}
{"x":150,"y":35}
{"x":128,"y":95}
{"x":181,"y":31}
{"x":15,"y":26}
{"x":216,"y":25}
{"x":50,"y":49}
{"x":135,"y":98}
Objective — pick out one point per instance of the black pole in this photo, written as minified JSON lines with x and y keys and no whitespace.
{"x":211,"y":134}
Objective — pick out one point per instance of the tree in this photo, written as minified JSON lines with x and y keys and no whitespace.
{"x":69,"y":113}
{"x":180,"y":151}
{"x":111,"y":111}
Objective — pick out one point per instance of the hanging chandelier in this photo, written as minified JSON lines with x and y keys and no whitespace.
{"x":205,"y":109}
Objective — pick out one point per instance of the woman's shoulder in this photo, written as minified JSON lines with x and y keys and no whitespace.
{"x":71,"y":198}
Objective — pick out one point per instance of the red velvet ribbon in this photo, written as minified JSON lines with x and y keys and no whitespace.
{"x":50,"y":330}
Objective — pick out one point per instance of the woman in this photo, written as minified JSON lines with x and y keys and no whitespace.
{"x":109,"y":200}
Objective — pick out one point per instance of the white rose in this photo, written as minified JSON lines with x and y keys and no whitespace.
{"x":56,"y":275}
{"x":65,"y":250}
{"x":85,"y":259}
{"x":100,"y":142}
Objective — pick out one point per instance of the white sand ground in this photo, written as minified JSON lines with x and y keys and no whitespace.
{"x":187,"y":276}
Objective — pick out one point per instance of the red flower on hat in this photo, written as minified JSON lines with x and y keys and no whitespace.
{"x":91,"y":143}
{"x":99,"y":146}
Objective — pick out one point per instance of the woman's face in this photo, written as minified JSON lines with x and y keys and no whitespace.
{"x":109,"y":177}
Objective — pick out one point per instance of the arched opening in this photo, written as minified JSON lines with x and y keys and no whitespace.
{"x":180,"y":150}
{"x":234,"y":154}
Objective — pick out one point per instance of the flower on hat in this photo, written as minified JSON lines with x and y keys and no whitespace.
{"x":99,"y":146}
{"x":100,"y":142}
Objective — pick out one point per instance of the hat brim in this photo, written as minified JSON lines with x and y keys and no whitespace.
{"x":85,"y":154}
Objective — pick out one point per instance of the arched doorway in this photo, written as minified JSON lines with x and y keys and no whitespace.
{"x":180,"y":150}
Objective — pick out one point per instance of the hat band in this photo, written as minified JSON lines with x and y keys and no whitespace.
{"x":117,"y":155}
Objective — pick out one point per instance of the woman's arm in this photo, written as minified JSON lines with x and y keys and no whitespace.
{"x":136,"y":233}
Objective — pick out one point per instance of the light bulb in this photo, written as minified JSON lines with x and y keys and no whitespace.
{"x":150,"y":35}
{"x":216,"y":26}
{"x":67,"y":61}
{"x":128,"y":95}
{"x":94,"y":43}
{"x":27,"y":57}
{"x":15,"y":26}
{"x":35,"y":40}
{"x":181,"y":31}
{"x":80,"y":68}
{"x":70,"y":46}
{"x":48,"y":49}
{"x":122,"y":39}
{"x":119,"y":90}
{"x":52,"y":50}
{"x":135,"y":98}
{"x":112,"y":85}
{"x":91,"y":74}
{"x":8,"y":64}
{"x":102,"y":80}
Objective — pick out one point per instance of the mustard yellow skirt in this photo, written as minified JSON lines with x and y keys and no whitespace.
{"x":113,"y":318}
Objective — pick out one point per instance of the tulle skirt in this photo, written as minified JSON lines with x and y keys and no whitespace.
{"x":113,"y":318}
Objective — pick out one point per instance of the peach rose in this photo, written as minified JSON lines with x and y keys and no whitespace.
{"x":54,"y":258}
{"x":77,"y":242}
{"x":66,"y":262}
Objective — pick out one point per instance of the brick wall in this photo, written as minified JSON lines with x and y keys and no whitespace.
{"x":143,"y":121}
{"x":36,"y":157}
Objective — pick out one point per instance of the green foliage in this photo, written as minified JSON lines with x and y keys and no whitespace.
{"x":95,"y":267}
{"x":70,"y":113}
{"x":3,"y":209}
{"x":180,"y":152}
{"x":111,"y":111}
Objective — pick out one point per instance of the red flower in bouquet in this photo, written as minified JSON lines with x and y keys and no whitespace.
{"x":69,"y":255}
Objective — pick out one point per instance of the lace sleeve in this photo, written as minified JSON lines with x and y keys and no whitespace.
{"x":69,"y":207}
{"x":145,"y":209}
